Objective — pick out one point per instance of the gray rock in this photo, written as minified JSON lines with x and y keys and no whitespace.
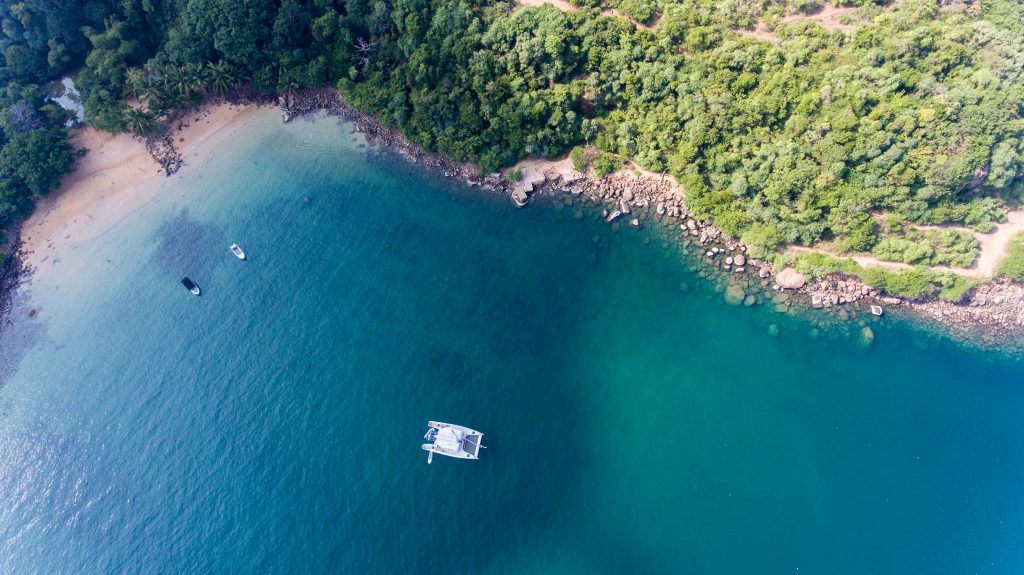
{"x":789,"y":278}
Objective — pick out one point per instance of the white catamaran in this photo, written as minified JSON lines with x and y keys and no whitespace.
{"x":452,"y":440}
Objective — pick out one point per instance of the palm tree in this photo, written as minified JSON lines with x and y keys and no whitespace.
{"x":221,"y":77}
{"x":139,"y":122}
{"x":148,"y":91}
{"x":165,"y":101}
{"x":195,"y":78}
{"x":134,"y":80}
{"x":177,"y":81}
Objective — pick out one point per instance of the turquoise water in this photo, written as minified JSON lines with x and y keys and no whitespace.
{"x":274,"y":423}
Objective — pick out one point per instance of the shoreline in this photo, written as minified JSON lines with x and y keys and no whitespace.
{"x":112,"y":181}
{"x":115,"y":179}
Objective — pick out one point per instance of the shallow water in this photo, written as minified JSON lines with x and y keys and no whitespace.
{"x":274,"y":423}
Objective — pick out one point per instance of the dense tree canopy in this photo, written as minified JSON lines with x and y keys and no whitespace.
{"x":905,"y":112}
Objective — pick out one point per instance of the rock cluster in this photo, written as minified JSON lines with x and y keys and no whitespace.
{"x":12,"y":267}
{"x":164,"y":152}
{"x":748,"y":281}
{"x":838,"y":290}
{"x":299,"y":102}
{"x":988,"y":313}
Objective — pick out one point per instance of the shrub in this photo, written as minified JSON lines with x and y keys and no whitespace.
{"x":953,"y":287}
{"x":901,"y":250}
{"x":605,"y":164}
{"x":731,"y":221}
{"x":817,"y":264}
{"x":762,"y":240}
{"x":914,"y":283}
{"x":578,"y":160}
{"x":860,"y":234}
{"x":1012,"y":265}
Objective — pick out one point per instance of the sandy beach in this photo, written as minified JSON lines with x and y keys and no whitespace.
{"x":114,"y":179}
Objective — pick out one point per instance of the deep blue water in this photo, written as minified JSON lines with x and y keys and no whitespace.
{"x":274,"y":424}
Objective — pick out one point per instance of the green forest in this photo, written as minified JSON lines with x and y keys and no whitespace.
{"x":912,"y":112}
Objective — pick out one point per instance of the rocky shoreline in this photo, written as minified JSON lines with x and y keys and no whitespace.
{"x":990,"y":316}
{"x":12,"y":270}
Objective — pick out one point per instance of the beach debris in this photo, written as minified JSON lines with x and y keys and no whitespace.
{"x":877,"y":310}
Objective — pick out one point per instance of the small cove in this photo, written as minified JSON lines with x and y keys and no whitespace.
{"x":274,"y":423}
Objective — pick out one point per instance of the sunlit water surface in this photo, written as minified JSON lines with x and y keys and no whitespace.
{"x":274,"y":423}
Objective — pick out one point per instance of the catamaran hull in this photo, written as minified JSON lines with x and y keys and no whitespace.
{"x":453,"y":441}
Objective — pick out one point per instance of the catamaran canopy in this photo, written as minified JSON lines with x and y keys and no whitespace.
{"x":448,"y":439}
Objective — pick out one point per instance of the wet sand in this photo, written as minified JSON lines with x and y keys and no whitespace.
{"x":113,"y":180}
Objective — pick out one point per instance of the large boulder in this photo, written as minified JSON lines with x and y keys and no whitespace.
{"x":789,"y":278}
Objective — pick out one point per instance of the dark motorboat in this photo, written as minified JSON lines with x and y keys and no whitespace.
{"x":190,"y":286}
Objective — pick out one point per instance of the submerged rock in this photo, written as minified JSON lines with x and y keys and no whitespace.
{"x":866,"y":337}
{"x":734,"y":295}
{"x":773,"y":330}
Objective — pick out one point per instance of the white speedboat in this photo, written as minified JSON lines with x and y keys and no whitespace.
{"x":190,"y":285}
{"x":237,"y":251}
{"x":452,"y":440}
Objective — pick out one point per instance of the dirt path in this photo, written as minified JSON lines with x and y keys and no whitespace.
{"x":560,"y":4}
{"x":607,"y":12}
{"x":829,"y":17}
{"x":994,"y":246}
